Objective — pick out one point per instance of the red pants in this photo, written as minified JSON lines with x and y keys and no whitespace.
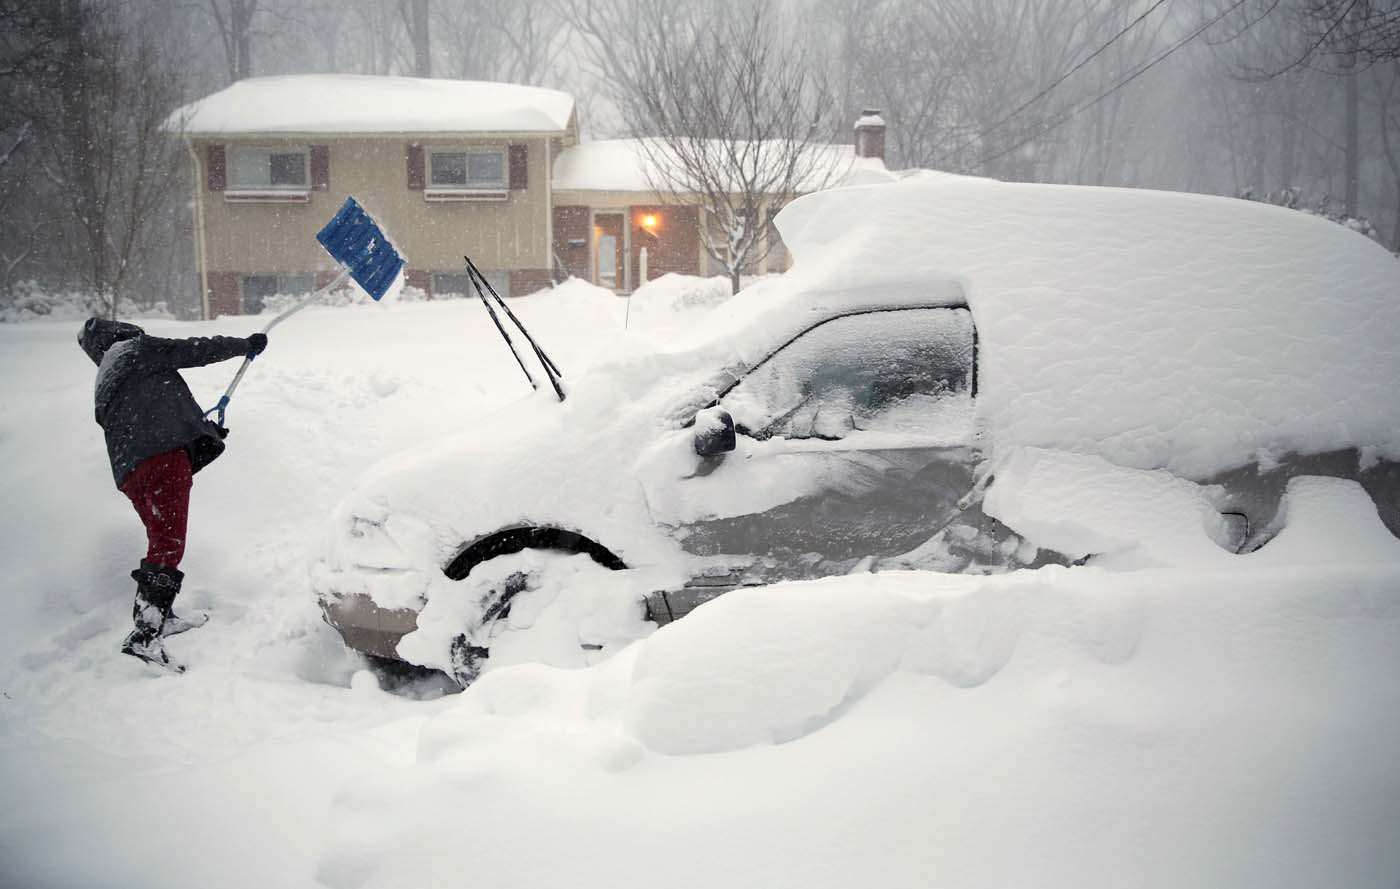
{"x":159,"y":488}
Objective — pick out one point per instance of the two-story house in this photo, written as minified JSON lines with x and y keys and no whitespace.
{"x":450,"y":167}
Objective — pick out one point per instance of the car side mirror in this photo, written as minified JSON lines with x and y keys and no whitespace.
{"x":1236,"y":525}
{"x":714,"y":432}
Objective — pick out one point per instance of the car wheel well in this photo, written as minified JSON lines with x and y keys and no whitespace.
{"x":514,"y":540}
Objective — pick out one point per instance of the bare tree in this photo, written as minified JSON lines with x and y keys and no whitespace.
{"x":1387,"y":78}
{"x":729,"y":114}
{"x":415,"y":16}
{"x":378,"y":35}
{"x":105,"y":157}
{"x":1354,"y":32}
{"x":515,"y":41}
{"x":1339,"y":37}
{"x":30,"y":47}
{"x":30,"y":41}
{"x":894,"y":57}
{"x":234,"y":21}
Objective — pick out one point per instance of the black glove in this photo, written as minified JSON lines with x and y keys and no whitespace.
{"x":256,"y":343}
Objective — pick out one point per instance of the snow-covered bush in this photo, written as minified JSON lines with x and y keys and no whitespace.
{"x":675,"y":300}
{"x":348,"y":295}
{"x":29,"y":301}
{"x":1326,"y":206}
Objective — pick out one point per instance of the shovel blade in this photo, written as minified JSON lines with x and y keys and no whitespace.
{"x":355,"y":240}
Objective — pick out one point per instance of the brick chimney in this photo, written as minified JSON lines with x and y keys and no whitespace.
{"x":870,"y":134}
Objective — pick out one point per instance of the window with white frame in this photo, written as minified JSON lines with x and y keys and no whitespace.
{"x":478,"y":169}
{"x":270,"y":169}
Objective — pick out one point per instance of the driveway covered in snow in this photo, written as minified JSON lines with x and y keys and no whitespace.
{"x":1211,"y":726}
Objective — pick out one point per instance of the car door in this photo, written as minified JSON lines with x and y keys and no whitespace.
{"x":853,"y":442}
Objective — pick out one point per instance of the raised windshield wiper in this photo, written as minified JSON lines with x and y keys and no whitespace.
{"x":551,"y":369}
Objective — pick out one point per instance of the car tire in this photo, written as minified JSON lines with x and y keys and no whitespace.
{"x":469,"y":655}
{"x":471,"y":649}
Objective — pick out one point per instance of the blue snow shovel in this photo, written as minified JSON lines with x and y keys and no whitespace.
{"x":365,"y":253}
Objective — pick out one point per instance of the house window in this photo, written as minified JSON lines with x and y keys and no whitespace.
{"x":269,"y":168}
{"x":457,"y":285}
{"x":481,"y":171}
{"x":269,"y":174}
{"x":258,"y":289}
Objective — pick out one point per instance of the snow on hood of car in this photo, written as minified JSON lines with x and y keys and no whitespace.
{"x":1152,"y":328}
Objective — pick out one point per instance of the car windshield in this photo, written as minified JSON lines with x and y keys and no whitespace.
{"x":906,"y":370}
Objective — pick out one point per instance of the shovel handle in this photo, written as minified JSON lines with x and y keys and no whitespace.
{"x":243,"y":368}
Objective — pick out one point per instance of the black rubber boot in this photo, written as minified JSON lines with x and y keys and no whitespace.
{"x":156,"y":589}
{"x":160,"y":576}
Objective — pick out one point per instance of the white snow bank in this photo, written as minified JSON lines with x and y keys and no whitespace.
{"x":570,"y":601}
{"x":764,"y":666}
{"x":674,"y":292}
{"x":673,"y":306}
{"x":1151,"y":328}
{"x":1079,"y":504}
{"x":1059,"y":727}
{"x":1328,"y":520}
{"x":28,"y":301}
{"x":1048,"y":728}
{"x":1051,"y":728}
{"x":357,"y":103}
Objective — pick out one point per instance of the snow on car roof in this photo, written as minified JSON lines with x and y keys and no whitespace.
{"x":631,"y":165}
{"x":1153,"y":328}
{"x":362,"y":104}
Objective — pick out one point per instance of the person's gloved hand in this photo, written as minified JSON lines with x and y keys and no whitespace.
{"x":256,"y":343}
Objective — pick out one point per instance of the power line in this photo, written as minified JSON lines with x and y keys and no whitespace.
{"x":1120,"y":84}
{"x":1054,"y":83}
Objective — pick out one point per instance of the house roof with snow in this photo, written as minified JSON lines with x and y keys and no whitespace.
{"x":356,"y":104}
{"x":633,"y":165}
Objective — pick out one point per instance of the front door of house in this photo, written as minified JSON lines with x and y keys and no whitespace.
{"x":608,"y":256}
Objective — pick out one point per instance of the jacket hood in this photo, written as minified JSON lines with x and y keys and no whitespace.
{"x":98,"y":335}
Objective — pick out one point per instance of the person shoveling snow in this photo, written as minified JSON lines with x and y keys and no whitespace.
{"x":157,"y":438}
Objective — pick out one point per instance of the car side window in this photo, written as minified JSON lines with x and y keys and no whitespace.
{"x":905,"y":370}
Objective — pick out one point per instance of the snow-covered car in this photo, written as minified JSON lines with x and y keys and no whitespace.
{"x":889,"y":403}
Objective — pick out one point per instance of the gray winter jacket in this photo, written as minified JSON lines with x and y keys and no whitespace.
{"x":142,"y":403}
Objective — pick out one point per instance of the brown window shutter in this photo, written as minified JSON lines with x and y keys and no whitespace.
{"x":519,"y":167}
{"x":415,"y":167}
{"x":215,"y":172}
{"x":320,"y":167}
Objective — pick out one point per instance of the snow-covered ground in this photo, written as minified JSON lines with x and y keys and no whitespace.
{"x":1171,"y":716}
{"x":1216,"y":726}
{"x":212,"y":780}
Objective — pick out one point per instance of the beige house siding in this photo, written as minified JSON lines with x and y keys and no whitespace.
{"x":280,"y":237}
